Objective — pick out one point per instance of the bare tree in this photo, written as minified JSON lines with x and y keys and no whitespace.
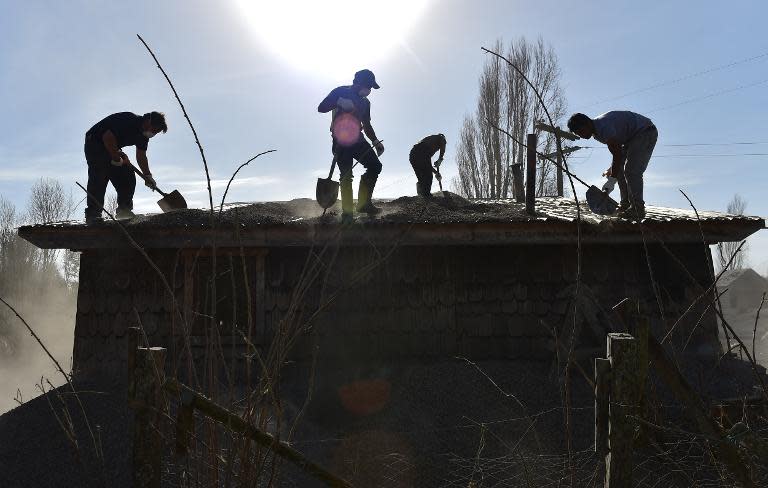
{"x":111,"y":204}
{"x":726,"y":250}
{"x":48,"y":203}
{"x":490,"y":164}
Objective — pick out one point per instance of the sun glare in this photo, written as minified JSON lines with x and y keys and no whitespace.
{"x":332,"y":37}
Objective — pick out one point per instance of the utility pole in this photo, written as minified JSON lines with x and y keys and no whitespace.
{"x":563,"y":135}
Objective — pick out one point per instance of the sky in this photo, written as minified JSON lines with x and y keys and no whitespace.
{"x":251,"y":74}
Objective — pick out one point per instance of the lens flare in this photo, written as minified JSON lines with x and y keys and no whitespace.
{"x":346,"y":129}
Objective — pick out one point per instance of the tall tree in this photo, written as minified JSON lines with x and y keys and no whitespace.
{"x":490,"y":164}
{"x":48,"y":203}
{"x":726,"y":250}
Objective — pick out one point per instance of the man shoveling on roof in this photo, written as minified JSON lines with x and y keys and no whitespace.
{"x":107,"y":162}
{"x":352,"y":116}
{"x":631,"y":138}
{"x":421,"y":160}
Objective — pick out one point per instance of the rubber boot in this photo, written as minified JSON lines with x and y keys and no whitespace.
{"x":347,"y":206}
{"x":422,"y":190}
{"x":364,"y":193}
{"x":123,"y":213}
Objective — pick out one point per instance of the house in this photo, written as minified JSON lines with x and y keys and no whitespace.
{"x":389,"y":317}
{"x":745,"y":288}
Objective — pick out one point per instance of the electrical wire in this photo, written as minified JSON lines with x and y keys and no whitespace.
{"x":710,"y":95}
{"x":682,"y":78}
{"x":697,"y":144}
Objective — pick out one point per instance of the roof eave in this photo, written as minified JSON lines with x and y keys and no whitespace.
{"x":81,"y":237}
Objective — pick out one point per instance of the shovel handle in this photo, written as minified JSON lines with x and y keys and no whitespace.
{"x":136,"y":170}
{"x":333,"y":167}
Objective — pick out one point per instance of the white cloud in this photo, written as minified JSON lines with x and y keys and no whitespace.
{"x":672,"y":180}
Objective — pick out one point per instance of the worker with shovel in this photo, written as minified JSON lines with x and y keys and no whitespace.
{"x":107,"y":161}
{"x":351,"y":116}
{"x":421,"y":160}
{"x":630,"y":138}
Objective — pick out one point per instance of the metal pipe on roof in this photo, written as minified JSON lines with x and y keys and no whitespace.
{"x":530,"y":176}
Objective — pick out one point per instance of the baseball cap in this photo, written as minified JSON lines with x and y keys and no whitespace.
{"x":365,"y":77}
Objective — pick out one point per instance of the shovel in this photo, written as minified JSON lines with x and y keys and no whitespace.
{"x":170,"y":201}
{"x":327,"y":190}
{"x":599,"y":202}
{"x":439,"y":178}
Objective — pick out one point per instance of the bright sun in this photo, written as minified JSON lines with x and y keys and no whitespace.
{"x":332,"y":37}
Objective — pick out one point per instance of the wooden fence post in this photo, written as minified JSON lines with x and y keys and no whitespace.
{"x":625,"y":393}
{"x":146,"y":381}
{"x":602,"y":391}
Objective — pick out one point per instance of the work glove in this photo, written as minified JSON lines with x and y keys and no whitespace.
{"x":121,"y":160}
{"x":438,"y":163}
{"x":609,"y":185}
{"x":345,"y":104}
{"x":150,"y":182}
{"x":438,"y":177}
{"x":379,"y":148}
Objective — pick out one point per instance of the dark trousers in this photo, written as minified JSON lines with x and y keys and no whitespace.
{"x":345,"y":156}
{"x":637,"y":154}
{"x":101,"y":172}
{"x":422,"y":166}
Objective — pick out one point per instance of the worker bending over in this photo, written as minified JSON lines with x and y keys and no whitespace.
{"x":351,"y":116}
{"x":631,"y":138}
{"x":421,"y":160}
{"x":107,"y":162}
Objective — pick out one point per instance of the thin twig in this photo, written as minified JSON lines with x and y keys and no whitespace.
{"x":223,"y":197}
{"x":757,"y":319}
{"x":572,"y":339}
{"x":184,"y":111}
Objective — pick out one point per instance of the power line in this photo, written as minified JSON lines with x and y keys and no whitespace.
{"x":711,"y":95}
{"x":716,"y":144}
{"x":750,"y":143}
{"x":682,"y":78}
{"x":707,"y":155}
{"x":695,"y":155}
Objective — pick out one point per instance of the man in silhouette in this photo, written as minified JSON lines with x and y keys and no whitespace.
{"x":351,"y":117}
{"x":104,"y":143}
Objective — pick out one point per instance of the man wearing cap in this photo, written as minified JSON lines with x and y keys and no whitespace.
{"x":630,"y":138}
{"x":421,"y":160}
{"x":104,"y":143}
{"x":351,"y":116}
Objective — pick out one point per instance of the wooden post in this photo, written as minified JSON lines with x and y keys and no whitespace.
{"x":602,"y":391}
{"x":668,"y":372}
{"x":147,"y":379}
{"x":559,"y":173}
{"x":530,"y":176}
{"x":133,"y":337}
{"x":624,"y":400}
{"x":236,"y":423}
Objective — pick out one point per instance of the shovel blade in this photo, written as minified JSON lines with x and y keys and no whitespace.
{"x":327,"y":192}
{"x":600,"y":202}
{"x":172,"y":201}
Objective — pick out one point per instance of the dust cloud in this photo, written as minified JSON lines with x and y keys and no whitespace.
{"x":49,"y":308}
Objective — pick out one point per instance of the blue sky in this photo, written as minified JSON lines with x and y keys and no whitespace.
{"x":65,"y":65}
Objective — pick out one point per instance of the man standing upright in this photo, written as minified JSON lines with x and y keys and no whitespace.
{"x":107,"y":162}
{"x":631,"y":139}
{"x":351,"y":117}
{"x":421,"y":161}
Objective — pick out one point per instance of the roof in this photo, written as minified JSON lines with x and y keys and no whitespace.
{"x":747,"y":275}
{"x":445,"y":220}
